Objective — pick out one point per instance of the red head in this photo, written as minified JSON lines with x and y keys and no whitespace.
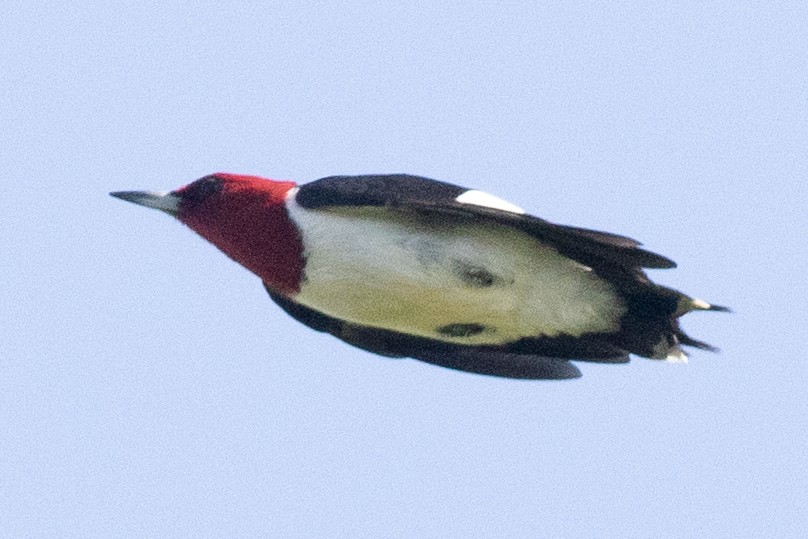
{"x":245,"y":217}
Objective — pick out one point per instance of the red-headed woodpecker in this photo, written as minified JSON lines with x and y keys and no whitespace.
{"x":405,"y":266}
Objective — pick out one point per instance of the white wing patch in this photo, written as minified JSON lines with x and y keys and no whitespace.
{"x":481,"y":198}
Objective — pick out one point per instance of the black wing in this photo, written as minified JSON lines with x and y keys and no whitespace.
{"x":406,"y":192}
{"x":490,"y":361}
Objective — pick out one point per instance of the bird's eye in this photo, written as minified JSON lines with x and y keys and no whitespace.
{"x":202,"y":189}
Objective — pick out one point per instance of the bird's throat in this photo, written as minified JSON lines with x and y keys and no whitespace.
{"x":260,"y":237}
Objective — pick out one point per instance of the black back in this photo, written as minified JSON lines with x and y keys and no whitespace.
{"x":414,"y":193}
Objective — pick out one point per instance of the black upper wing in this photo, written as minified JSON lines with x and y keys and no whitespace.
{"x":478,"y":360}
{"x":406,"y":192}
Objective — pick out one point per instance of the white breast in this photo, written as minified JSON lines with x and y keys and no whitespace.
{"x":446,"y":277}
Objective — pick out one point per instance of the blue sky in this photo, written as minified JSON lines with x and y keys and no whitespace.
{"x":149,"y":388}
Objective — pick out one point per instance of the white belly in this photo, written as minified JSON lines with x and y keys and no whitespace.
{"x":446,"y":278}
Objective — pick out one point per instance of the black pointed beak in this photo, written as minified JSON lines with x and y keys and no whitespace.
{"x":163,"y":201}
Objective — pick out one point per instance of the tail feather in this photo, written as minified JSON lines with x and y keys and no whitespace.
{"x":650,"y":328}
{"x":690,"y":341}
{"x":688,"y":304}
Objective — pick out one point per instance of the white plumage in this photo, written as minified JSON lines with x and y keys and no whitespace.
{"x":429,"y":275}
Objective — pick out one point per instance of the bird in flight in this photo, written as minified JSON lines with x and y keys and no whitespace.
{"x":406,"y":266}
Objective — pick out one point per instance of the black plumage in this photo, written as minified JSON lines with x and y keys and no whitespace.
{"x":648,"y":328}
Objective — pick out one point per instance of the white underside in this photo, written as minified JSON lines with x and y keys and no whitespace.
{"x":415,"y":274}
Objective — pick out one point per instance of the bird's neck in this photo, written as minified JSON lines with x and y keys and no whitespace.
{"x":256,"y":232}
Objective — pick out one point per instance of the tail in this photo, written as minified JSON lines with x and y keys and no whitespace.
{"x":650,"y":328}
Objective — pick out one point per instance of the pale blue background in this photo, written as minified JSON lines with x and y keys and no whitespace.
{"x":149,"y":388}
